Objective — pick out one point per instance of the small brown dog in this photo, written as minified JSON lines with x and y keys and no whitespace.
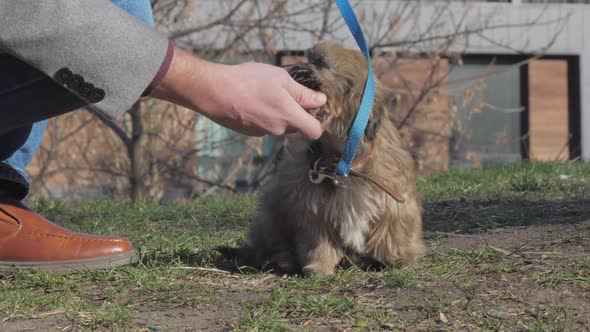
{"x":374,"y":213}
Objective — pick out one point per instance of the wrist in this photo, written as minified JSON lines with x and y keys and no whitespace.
{"x":162,"y":72}
{"x":189,"y":82}
{"x":168,"y":87}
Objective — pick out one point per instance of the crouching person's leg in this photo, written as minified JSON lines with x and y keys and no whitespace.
{"x":27,"y":240}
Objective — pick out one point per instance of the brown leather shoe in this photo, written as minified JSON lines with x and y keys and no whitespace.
{"x":29,"y":241}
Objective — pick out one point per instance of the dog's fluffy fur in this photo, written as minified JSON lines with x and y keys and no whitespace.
{"x":311,"y":228}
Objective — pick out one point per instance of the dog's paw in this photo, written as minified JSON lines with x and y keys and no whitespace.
{"x":284,"y":262}
{"x":314,"y":270}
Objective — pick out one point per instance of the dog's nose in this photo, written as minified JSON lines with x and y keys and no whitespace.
{"x":303,"y":74}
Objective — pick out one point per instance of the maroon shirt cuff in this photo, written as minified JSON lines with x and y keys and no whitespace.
{"x":162,"y":72}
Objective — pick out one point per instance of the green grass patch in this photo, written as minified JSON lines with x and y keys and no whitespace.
{"x":576,"y":272}
{"x":512,"y":180}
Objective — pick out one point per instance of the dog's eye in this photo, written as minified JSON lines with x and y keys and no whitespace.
{"x":320,"y":63}
{"x":318,"y":60}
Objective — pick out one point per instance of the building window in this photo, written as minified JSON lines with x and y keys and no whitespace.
{"x":487,"y":106}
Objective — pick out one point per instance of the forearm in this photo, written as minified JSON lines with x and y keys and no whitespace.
{"x":188,"y":81}
{"x":250,"y":98}
{"x":206,"y":87}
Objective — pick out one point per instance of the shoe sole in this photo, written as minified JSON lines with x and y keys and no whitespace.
{"x":65,"y":267}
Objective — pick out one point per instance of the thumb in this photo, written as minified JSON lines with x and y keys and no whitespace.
{"x":304,"y":96}
{"x":303,"y":122}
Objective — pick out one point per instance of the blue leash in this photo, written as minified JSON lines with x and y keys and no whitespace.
{"x":357,"y":131}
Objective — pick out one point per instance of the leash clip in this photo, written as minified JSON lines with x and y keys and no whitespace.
{"x":317,"y":176}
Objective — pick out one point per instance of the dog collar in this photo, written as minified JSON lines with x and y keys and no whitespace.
{"x":322,"y":171}
{"x":324,"y":168}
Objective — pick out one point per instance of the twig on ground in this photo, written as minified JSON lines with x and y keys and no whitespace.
{"x":430,"y":234}
{"x":48,"y":313}
{"x":206,"y":269}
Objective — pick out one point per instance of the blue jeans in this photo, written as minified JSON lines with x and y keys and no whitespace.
{"x":31,"y":96}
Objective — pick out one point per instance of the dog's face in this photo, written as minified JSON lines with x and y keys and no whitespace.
{"x":340,"y":73}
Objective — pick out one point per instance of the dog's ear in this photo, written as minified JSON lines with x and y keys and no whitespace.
{"x":374,"y":124}
{"x":384,"y":103}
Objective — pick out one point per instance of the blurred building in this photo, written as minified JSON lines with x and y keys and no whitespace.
{"x":512,"y":82}
{"x":520,"y":90}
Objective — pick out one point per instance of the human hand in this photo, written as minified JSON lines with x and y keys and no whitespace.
{"x":250,"y":98}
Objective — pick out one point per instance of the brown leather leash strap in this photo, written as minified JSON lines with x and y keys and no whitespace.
{"x":394,"y":194}
{"x":367,"y":156}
